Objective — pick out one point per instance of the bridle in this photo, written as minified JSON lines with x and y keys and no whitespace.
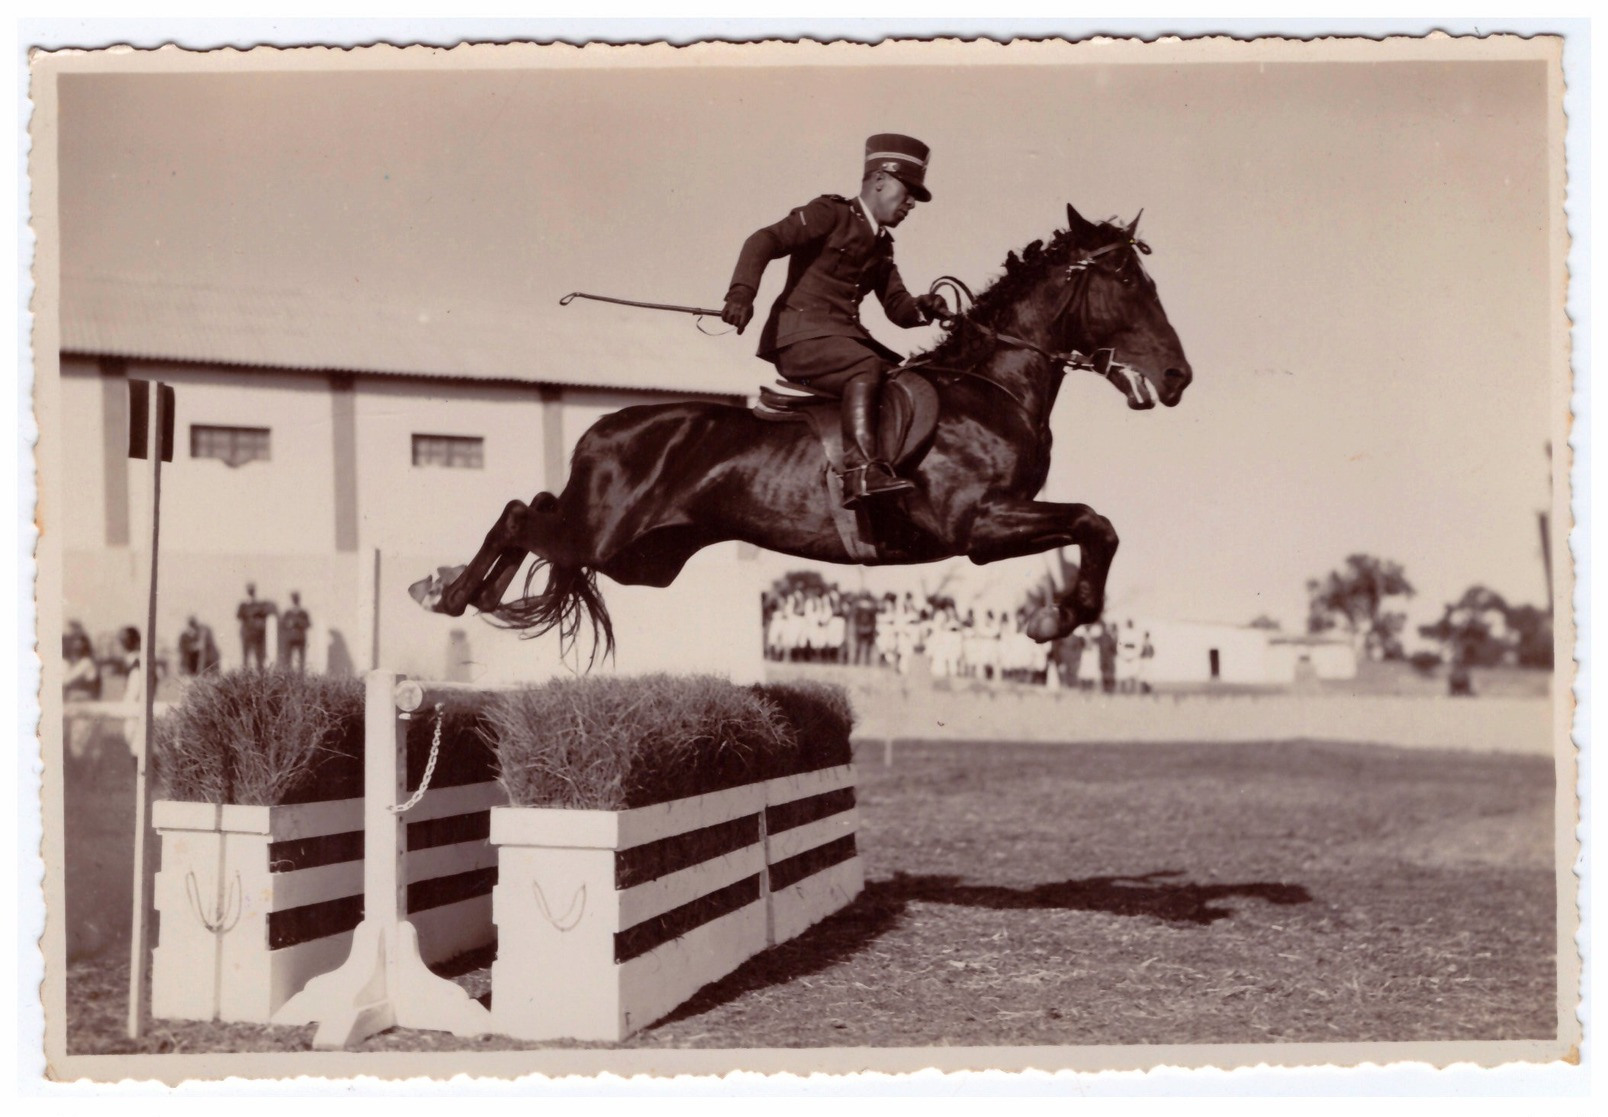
{"x":1102,"y":362}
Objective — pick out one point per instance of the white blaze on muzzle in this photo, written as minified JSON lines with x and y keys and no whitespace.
{"x":1132,"y":384}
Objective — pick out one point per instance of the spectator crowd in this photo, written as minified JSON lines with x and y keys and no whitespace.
{"x":107,"y":668}
{"x":814,"y":624}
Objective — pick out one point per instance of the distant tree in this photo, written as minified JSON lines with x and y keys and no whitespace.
{"x":1267,"y":623}
{"x":1354,"y":597}
{"x":1480,"y":629}
{"x":1532,"y":631}
{"x":1473,"y":629}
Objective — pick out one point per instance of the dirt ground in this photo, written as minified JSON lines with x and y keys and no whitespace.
{"x":1108,"y":894}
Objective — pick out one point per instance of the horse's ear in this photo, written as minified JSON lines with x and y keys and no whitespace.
{"x":1075,"y":223}
{"x":1133,"y":228}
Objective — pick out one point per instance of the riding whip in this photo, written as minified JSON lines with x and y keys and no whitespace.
{"x":698,"y":310}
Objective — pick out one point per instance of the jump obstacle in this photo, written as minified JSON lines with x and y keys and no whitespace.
{"x":605,"y":920}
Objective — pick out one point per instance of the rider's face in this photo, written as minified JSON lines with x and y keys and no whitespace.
{"x":890,"y":200}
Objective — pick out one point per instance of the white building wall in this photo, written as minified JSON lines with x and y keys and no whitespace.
{"x":1334,"y":661}
{"x":271,"y":523}
{"x":283,"y":506}
{"x":430,"y":510}
{"x":1325,"y":659}
{"x":1184,"y":652}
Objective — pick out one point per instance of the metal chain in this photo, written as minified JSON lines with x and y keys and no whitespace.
{"x":429,"y":767}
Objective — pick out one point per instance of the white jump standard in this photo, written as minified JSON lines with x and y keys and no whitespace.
{"x":384,"y":982}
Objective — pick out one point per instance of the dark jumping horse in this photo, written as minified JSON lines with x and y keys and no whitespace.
{"x":651,"y":485}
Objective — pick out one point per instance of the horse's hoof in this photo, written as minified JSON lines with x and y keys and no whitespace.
{"x":427,"y":592}
{"x":430,"y":591}
{"x":1046,"y":624}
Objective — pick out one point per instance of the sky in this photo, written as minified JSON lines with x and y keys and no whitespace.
{"x":1355,"y":256}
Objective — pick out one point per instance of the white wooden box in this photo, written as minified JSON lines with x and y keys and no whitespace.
{"x":812,"y":856}
{"x":253,"y":902}
{"x":609,"y":920}
{"x":586,"y":948}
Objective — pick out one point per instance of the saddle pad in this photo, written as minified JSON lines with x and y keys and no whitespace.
{"x":906,"y":421}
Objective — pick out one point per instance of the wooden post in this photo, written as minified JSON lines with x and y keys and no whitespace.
{"x":153,"y":442}
{"x":374,"y":638}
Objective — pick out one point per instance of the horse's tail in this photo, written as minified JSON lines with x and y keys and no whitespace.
{"x":570,"y":598}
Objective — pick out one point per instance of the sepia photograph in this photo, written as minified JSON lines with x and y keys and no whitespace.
{"x":801,"y":556}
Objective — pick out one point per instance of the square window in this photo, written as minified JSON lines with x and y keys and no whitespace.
{"x":449,"y":451}
{"x":234,"y":446}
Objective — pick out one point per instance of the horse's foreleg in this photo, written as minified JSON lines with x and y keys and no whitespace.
{"x":1015,"y":528}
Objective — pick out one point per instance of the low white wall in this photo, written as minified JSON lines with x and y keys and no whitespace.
{"x":915,"y":709}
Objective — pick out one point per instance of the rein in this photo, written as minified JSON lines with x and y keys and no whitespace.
{"x":1102,"y":362}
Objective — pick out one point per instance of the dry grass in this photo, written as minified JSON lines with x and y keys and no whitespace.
{"x":1032,"y":895}
{"x":820,"y":717}
{"x":610,"y":744}
{"x":260,"y":738}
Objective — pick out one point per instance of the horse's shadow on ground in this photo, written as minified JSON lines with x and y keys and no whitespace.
{"x":882,"y":905}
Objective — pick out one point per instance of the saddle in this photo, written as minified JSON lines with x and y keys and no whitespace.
{"x":907,"y":418}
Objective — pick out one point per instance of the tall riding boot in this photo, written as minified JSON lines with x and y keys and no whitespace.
{"x":865,"y":475}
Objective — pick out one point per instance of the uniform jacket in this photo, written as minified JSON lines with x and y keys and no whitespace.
{"x":834,"y":261}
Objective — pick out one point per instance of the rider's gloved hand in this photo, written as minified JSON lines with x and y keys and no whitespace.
{"x":739,"y":309}
{"x":932,"y":307}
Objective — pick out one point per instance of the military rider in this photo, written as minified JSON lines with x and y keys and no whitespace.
{"x":839,"y":251}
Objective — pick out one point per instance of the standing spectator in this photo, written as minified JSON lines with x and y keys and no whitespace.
{"x":293,"y":626}
{"x":1069,"y":658}
{"x":834,"y":629}
{"x":128,"y":640}
{"x":945,"y":646}
{"x":1106,"y":641}
{"x":1147,"y":653}
{"x":192,"y":648}
{"x":253,"y":615}
{"x":1128,"y":656}
{"x":863,"y":619}
{"x":82,"y":682}
{"x":211,"y":657}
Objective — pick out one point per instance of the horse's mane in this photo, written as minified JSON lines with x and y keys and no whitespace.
{"x":964,"y":342}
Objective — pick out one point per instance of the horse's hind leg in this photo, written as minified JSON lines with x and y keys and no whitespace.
{"x":500,"y":576}
{"x":470,"y":582}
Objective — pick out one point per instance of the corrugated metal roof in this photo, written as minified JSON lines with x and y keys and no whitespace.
{"x":598,"y":346}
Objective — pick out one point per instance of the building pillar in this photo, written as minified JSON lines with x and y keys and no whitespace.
{"x":554,"y":466}
{"x":343,"y":415}
{"x":114,"y":448}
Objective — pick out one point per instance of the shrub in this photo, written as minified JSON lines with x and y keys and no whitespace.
{"x":821,"y":718}
{"x":612,"y":744}
{"x":1425,"y":663}
{"x":267,"y":738}
{"x":262,"y":738}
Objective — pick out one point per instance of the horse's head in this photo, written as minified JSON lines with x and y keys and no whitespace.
{"x":1106,"y":300}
